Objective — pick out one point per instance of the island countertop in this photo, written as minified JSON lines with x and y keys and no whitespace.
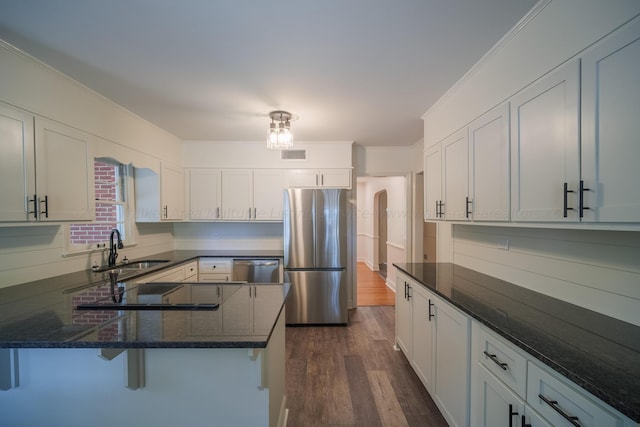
{"x":597,"y":352}
{"x":44,"y":314}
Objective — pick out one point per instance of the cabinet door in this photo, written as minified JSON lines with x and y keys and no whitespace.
{"x":172,"y":190}
{"x":268,"y":194}
{"x":237,"y":310}
{"x":495,"y":405}
{"x":545,"y":152}
{"x":489,"y":166}
{"x":432,"y":182}
{"x":266,"y":299}
{"x":17,"y":177}
{"x":64,"y":172}
{"x":423,"y":336}
{"x":452,"y":363}
{"x":204,"y":190}
{"x":335,"y":178}
{"x":403,"y":314}
{"x":455,"y":158}
{"x":610,"y":128}
{"x":303,"y":178}
{"x":237,"y":197}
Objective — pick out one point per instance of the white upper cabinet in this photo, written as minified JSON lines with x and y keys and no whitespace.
{"x":489,"y":166}
{"x":17,"y":183}
{"x":268,"y":194}
{"x":64,"y":172}
{"x":203,"y":188}
{"x":433,"y":183}
{"x":237,"y":195}
{"x":455,"y":160}
{"x":545,"y":151}
{"x":317,"y":178}
{"x":159,"y":198}
{"x":172,"y":192}
{"x":611,"y":128}
{"x":46,"y":171}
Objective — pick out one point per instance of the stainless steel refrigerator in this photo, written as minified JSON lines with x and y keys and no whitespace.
{"x":315,"y":256}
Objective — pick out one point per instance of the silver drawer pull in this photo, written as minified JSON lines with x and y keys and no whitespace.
{"x":493,"y":357}
{"x":555,"y":407}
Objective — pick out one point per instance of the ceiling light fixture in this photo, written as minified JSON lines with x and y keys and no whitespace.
{"x":280,"y":135}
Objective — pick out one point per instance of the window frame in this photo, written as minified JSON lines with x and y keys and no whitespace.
{"x":129,"y":237}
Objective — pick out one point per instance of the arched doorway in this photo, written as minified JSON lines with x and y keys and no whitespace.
{"x":380,"y":228}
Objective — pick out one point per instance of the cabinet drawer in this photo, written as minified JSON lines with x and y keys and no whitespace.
{"x":214,"y":265}
{"x":500,"y":359}
{"x":191,"y":270}
{"x":557,"y":401}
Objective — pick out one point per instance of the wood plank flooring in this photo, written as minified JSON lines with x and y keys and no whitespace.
{"x":372,"y":289}
{"x":352,"y":376}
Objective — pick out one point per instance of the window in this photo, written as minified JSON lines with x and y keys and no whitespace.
{"x":112,"y":190}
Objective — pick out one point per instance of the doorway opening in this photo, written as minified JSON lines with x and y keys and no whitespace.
{"x":380,"y":227}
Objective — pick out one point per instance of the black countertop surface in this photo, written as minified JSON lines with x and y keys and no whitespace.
{"x":44,"y":314}
{"x":597,"y":352}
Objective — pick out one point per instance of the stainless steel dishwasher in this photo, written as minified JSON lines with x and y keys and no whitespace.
{"x":256,"y":270}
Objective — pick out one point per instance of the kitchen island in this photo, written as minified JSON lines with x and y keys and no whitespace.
{"x":198,"y":354}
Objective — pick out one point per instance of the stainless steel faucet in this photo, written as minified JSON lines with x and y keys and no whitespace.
{"x":113,"y":248}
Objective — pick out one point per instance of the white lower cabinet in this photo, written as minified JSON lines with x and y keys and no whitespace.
{"x":479,"y":379}
{"x":509,"y":388}
{"x":562,"y":404}
{"x":435,"y":339}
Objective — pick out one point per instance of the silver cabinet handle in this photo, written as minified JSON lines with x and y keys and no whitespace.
{"x":495,"y":360}
{"x":554,"y":405}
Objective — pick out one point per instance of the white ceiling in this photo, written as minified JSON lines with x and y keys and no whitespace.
{"x":360,"y":70}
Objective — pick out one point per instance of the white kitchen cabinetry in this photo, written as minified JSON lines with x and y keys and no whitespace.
{"x":239,"y":316}
{"x":159,"y":197}
{"x":452,"y":329}
{"x":404,"y":315}
{"x":455,"y":161}
{"x":424,"y":336}
{"x":191,"y":272}
{"x":489,"y":198}
{"x":435,"y":338}
{"x":236,"y":194}
{"x":17,"y":165}
{"x":319,"y":178}
{"x":203,"y":188}
{"x":505,"y":379}
{"x":172,"y":189}
{"x":610,"y":128}
{"x":46,"y":170}
{"x":268,"y":194}
{"x":212,"y":269}
{"x":433,"y":206}
{"x":545,"y":150}
{"x":174,"y":274}
{"x":558,"y":402}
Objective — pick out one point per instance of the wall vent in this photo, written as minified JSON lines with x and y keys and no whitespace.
{"x":293,"y":154}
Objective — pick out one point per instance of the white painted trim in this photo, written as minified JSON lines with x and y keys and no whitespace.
{"x":396,"y":245}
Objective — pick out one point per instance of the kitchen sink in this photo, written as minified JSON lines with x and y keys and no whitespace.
{"x":141,"y":265}
{"x":132,"y":266}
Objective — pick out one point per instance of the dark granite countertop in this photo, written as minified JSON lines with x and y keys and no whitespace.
{"x":43,"y":313}
{"x":597,"y":352}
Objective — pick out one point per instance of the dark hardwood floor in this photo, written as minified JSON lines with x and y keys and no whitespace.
{"x":352,"y":376}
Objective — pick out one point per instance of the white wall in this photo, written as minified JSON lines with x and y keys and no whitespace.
{"x":367,"y":234}
{"x":594,"y":269}
{"x":34,"y":252}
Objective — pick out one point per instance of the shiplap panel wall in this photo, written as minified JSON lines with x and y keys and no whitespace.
{"x":598,"y":270}
{"x":31,"y":253}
